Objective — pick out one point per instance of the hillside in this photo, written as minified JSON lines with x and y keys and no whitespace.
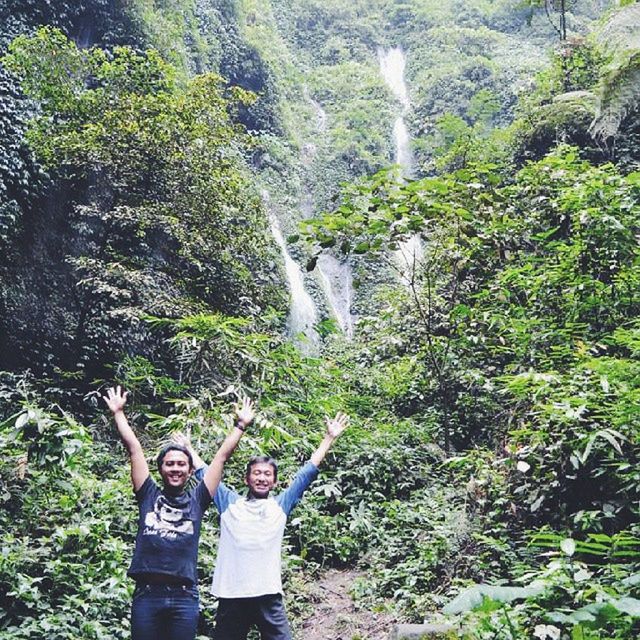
{"x":424,"y":214}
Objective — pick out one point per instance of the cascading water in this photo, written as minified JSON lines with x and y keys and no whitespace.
{"x":392,"y":65}
{"x":302,"y":311}
{"x":321,"y":114}
{"x":336,"y":281}
{"x":335,"y":275}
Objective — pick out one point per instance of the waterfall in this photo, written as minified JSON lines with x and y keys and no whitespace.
{"x":392,"y":65}
{"x":302,"y":310}
{"x":404,"y":157}
{"x":335,"y":275}
{"x":321,"y":114}
{"x":336,"y":282}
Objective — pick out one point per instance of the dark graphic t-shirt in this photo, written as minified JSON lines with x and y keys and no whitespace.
{"x":168,"y":531}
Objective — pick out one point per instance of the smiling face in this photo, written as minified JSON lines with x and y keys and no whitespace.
{"x":260,"y":479}
{"x":175,"y":470}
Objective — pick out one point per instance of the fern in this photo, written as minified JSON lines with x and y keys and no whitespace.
{"x":622,"y":30}
{"x":619,"y":95}
{"x":619,"y":91}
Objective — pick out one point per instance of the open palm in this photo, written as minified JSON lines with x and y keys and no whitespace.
{"x":115,"y":398}
{"x":337,"y":425}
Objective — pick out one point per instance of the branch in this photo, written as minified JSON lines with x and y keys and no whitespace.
{"x":546,"y":9}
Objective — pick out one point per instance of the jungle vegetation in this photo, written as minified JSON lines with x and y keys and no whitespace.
{"x":490,"y":477}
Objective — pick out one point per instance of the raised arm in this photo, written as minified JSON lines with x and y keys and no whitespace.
{"x":335,"y":427}
{"x":244,"y":417}
{"x":116,"y":400}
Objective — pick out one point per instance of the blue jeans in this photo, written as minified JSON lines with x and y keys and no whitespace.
{"x":164,"y":612}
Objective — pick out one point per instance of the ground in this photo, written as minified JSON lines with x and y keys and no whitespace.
{"x":336,"y":616}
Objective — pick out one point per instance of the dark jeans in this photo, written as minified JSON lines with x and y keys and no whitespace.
{"x":237,"y":615}
{"x":164,"y":612}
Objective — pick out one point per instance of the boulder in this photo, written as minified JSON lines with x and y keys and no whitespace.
{"x":423,"y":632}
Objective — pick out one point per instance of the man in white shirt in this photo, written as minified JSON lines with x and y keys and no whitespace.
{"x":247,"y":578}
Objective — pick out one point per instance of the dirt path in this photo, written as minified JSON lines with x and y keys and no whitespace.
{"x":337,"y":617}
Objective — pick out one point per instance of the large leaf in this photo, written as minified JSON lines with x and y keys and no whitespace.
{"x":474,"y":597}
{"x":568,"y":546}
{"x":632,"y":580}
{"x":628,"y":606}
{"x":600,"y":612}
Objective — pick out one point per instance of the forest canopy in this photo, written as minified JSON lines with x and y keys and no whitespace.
{"x":174,"y":174}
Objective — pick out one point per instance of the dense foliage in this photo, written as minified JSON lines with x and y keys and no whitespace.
{"x":153,"y":212}
{"x":490,"y":474}
{"x":518,"y":328}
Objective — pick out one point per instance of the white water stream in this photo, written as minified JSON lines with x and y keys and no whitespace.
{"x":335,"y":275}
{"x":336,"y":281}
{"x":392,"y":65}
{"x":302,"y":310}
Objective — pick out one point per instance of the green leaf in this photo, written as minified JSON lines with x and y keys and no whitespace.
{"x":632,"y":580}
{"x":327,"y":242}
{"x":475,"y":596}
{"x":21,"y":420}
{"x":628,"y":606}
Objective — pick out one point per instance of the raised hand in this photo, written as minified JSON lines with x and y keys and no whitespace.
{"x":115,"y":399}
{"x":185,"y":441}
{"x":337,"y":425}
{"x":182,"y":439}
{"x":245,"y":413}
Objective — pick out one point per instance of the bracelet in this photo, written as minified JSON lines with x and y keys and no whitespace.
{"x":240,"y":425}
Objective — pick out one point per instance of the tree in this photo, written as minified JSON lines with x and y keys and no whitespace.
{"x":513,"y":273}
{"x":154,"y":213}
{"x":559,"y":7}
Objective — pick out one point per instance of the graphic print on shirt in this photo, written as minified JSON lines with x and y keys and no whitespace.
{"x":167,"y":521}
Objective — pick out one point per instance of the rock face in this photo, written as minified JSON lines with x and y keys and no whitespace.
{"x":423,"y":632}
